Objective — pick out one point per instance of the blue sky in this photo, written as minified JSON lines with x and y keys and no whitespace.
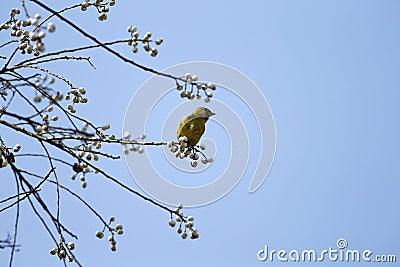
{"x":329,"y":71}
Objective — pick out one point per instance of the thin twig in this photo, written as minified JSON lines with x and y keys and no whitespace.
{"x":17,"y":195}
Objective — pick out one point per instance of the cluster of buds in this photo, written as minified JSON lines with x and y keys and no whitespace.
{"x":44,"y":82}
{"x":129,"y":144}
{"x":102,"y":8}
{"x":186,"y":222}
{"x":6,"y":156}
{"x":117,"y":230}
{"x":3,"y":89}
{"x":62,"y":252}
{"x":192,"y":88}
{"x":29,"y":42}
{"x":145,"y":40}
{"x":81,"y":168}
{"x":76,"y":95}
{"x":46,"y":117}
{"x":87,"y":151}
{"x":182,"y":149}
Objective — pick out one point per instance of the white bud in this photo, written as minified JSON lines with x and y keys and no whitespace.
{"x":54,"y":251}
{"x":17,"y":147}
{"x":193,"y":235}
{"x":41,"y":35}
{"x":171,"y":223}
{"x":147,"y":35}
{"x":71,"y":245}
{"x":183,"y":139}
{"x":82,"y":90}
{"x":81,"y":154}
{"x":62,"y":254}
{"x":188,"y":224}
{"x":159,"y":41}
{"x":99,"y":234}
{"x":51,"y":27}
{"x":102,"y":16}
{"x":127,"y":135}
{"x":211,"y":86}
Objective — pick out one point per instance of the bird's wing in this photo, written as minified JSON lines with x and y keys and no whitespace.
{"x":181,"y":126}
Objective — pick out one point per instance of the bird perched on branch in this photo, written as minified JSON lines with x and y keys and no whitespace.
{"x":194,"y":125}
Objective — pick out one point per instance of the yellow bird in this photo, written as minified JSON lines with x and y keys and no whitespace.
{"x":194,"y":125}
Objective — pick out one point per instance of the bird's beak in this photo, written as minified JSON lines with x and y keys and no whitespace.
{"x":212,"y":114}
